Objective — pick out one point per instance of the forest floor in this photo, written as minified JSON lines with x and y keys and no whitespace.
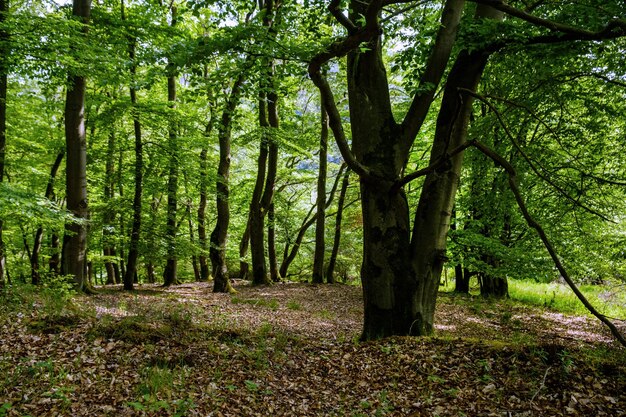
{"x":292,"y":349}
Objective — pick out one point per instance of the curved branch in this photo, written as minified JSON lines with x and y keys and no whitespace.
{"x":550,"y":24}
{"x":435,"y":67}
{"x":512,"y":174}
{"x":529,"y":160}
{"x":440,"y":163}
{"x":334,"y":9}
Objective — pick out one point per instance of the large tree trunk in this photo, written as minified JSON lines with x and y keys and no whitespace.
{"x":4,"y":70}
{"x":432,"y":218}
{"x":133,"y":249}
{"x":34,"y":258}
{"x":384,"y":208}
{"x":74,"y":261}
{"x":268,"y":155}
{"x":217,"y":251}
{"x":320,"y":225}
{"x":330,"y":272}
{"x":257,"y":215}
{"x":171,"y":267}
{"x":271,"y":245}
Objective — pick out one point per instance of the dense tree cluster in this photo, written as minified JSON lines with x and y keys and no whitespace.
{"x":203,"y":140}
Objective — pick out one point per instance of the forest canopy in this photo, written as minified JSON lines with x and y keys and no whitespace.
{"x":387,"y":143}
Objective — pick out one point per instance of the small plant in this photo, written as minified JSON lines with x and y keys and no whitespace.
{"x":251,"y":385}
{"x":436,"y":379}
{"x":567,"y":362}
{"x":325,"y":314}
{"x":272,"y":304}
{"x":5,"y":408}
{"x":293,"y":305}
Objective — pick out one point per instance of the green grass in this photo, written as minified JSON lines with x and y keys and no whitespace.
{"x":560,"y":297}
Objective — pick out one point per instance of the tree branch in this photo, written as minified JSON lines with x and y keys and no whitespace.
{"x":512,"y":174}
{"x":440,"y":163}
{"x":435,"y":67}
{"x":334,"y":9}
{"x":529,"y":160}
{"x":549,"y":24}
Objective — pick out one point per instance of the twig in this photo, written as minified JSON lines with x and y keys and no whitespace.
{"x":543,"y":384}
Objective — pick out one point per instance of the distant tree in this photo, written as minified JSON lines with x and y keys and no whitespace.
{"x":4,"y":72}
{"x":74,"y":260}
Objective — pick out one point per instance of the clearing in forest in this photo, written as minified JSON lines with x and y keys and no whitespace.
{"x":292,"y":350}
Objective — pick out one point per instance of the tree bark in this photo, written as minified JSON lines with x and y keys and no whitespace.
{"x":4,"y":71}
{"x":320,"y":225}
{"x":74,"y":260}
{"x":330,"y":272}
{"x":34,"y":258}
{"x":271,"y":245}
{"x":217,"y":251}
{"x":108,"y":234}
{"x":268,"y":155}
{"x":461,"y":279}
{"x":202,"y":238}
{"x":244,"y":266}
{"x":432,"y":219}
{"x":192,"y":240}
{"x":133,"y":249}
{"x":171,"y":268}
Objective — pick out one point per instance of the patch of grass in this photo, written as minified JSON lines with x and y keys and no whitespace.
{"x":560,"y":297}
{"x":272,"y":304}
{"x":157,"y":391}
{"x":293,"y":305}
{"x":325,"y":314}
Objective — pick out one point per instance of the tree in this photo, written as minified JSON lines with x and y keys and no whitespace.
{"x":169,"y":275}
{"x":133,"y":250}
{"x":268,"y":153}
{"x":330,"y":271}
{"x":320,"y":229}
{"x":4,"y":72}
{"x":219,"y":235}
{"x":74,"y":261}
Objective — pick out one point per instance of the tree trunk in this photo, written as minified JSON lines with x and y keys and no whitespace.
{"x":492,"y":286}
{"x":74,"y":260}
{"x":34,"y":258}
{"x":320,"y":225}
{"x":432,"y":218}
{"x":202,"y":240}
{"x":330,"y":277}
{"x":171,"y":268}
{"x":217,"y":251}
{"x":268,"y":154}
{"x":133,"y":249}
{"x":244,"y":266}
{"x":54,"y":262}
{"x":271,"y":245}
{"x":461,"y":280}
{"x":290,"y":255}
{"x":194,"y":258}
{"x":257,"y":215}
{"x":4,"y":71}
{"x":108,"y":234}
